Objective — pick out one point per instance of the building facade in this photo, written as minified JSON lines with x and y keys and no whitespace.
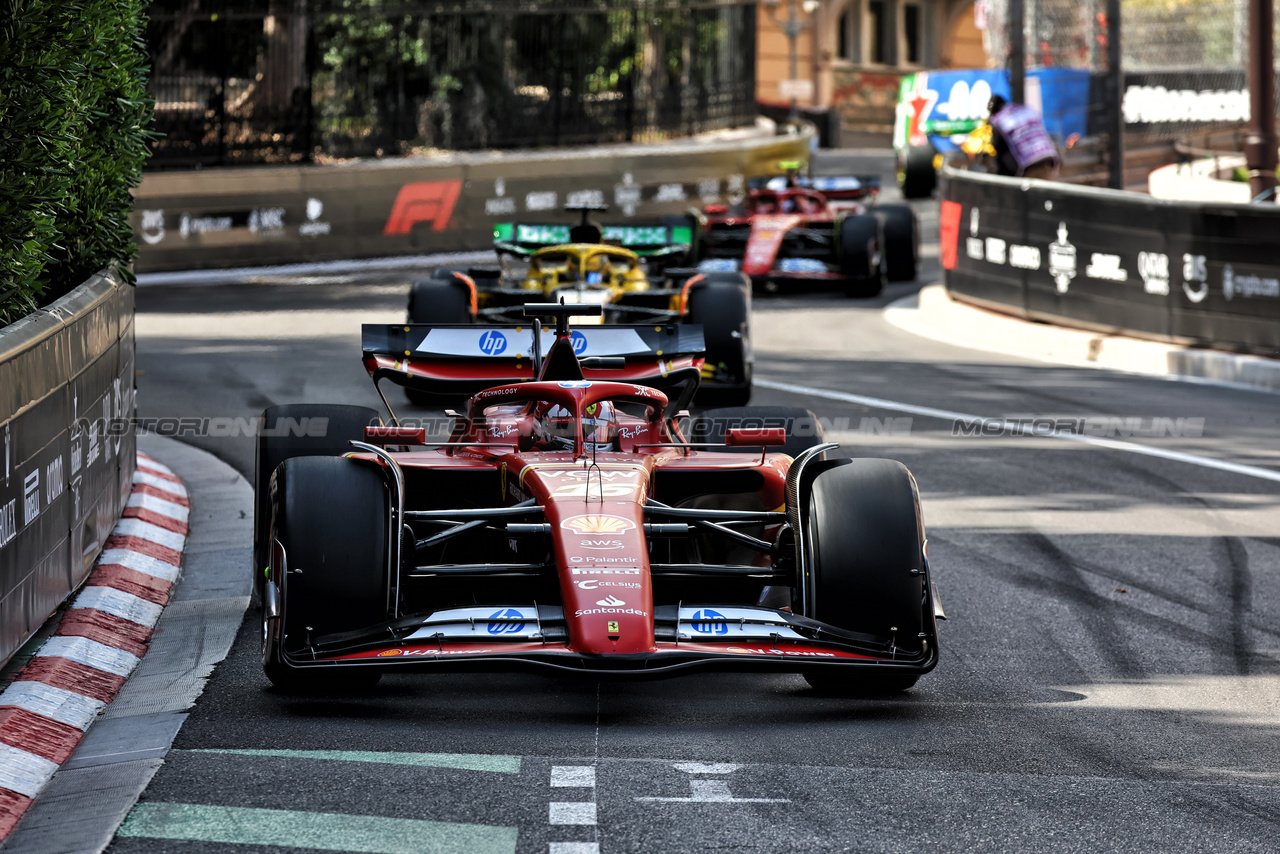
{"x":854,"y":52}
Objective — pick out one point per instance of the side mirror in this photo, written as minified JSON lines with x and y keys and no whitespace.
{"x":736,"y":437}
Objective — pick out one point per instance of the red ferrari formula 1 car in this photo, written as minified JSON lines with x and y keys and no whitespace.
{"x":798,"y":229}
{"x":568,"y":524}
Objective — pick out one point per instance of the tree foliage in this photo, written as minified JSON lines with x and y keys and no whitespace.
{"x":74,"y":119}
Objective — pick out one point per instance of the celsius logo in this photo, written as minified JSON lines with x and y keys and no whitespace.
{"x":506,"y":628}
{"x":492,"y":343}
{"x":611,"y":602}
{"x":597,"y":524}
{"x":709,"y":628}
{"x":579,"y":343}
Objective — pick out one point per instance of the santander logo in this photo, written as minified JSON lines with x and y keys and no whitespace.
{"x":611,"y":602}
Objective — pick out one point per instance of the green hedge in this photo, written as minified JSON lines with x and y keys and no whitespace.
{"x":74,"y":126}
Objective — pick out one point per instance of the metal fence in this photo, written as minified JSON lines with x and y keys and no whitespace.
{"x":281,"y":81}
{"x":1183,"y":62}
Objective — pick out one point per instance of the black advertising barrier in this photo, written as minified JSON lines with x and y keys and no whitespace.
{"x":66,"y":392}
{"x":373,"y":208}
{"x":1204,"y":273}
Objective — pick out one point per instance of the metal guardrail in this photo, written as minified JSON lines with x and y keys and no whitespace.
{"x":66,"y":421}
{"x":1117,"y":262}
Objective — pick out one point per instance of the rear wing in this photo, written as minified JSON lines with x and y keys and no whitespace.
{"x":462,"y":359}
{"x":834,"y":187}
{"x":658,"y":239}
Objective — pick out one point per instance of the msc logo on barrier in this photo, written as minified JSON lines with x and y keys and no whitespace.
{"x":423,"y":201}
{"x":492,"y":343}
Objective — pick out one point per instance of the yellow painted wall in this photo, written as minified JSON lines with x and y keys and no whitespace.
{"x":962,"y":44}
{"x":773,"y":54}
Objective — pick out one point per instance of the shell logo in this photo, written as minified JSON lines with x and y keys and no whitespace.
{"x":597,"y":524}
{"x":387,"y":652}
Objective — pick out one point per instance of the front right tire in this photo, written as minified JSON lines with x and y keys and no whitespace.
{"x":867,"y":547}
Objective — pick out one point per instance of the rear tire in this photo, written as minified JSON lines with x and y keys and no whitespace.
{"x":866,"y":535}
{"x":722,"y":305}
{"x":919,"y":178}
{"x":439,"y":299}
{"x":901,"y":241}
{"x":862,"y":254}
{"x":330,"y":515}
{"x":343,"y":424}
{"x":803,"y":428}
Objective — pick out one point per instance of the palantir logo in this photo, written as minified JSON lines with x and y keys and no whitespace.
{"x":492,"y":342}
{"x":579,"y":343}
{"x":709,"y":628}
{"x":509,"y":624}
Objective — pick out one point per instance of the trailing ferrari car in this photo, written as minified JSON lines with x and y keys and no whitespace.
{"x":631,"y":271}
{"x":568,"y":524}
{"x":793,"y":229}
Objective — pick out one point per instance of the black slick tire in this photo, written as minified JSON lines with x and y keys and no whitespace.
{"x":862,"y":254}
{"x":296,"y":430}
{"x":901,"y":241}
{"x":330,"y":515}
{"x":722,"y":305}
{"x":443,"y":298}
{"x":440,"y":299}
{"x":919,"y":178}
{"x":866,"y":539}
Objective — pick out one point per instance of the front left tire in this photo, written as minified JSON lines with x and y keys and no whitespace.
{"x":330,"y":516}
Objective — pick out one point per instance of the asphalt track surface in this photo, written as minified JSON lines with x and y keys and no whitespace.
{"x":1110,"y":673}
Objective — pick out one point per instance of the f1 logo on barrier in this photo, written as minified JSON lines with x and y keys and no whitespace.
{"x":423,"y":201}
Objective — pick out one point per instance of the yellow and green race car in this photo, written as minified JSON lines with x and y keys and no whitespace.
{"x":635,"y":273}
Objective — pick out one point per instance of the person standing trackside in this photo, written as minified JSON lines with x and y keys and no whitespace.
{"x":1023,"y":148}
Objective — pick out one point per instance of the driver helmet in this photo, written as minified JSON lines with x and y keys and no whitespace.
{"x":599,"y":427}
{"x":597,"y":269}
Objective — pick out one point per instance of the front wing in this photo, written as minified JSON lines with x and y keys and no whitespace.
{"x":534,"y":637}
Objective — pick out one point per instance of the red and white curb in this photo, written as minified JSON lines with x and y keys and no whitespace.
{"x":52,"y":701}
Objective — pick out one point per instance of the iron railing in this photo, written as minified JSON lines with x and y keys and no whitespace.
{"x":278,"y":81}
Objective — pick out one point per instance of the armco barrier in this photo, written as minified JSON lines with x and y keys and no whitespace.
{"x":66,"y":387}
{"x":373,"y":208}
{"x":1203,"y":273}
